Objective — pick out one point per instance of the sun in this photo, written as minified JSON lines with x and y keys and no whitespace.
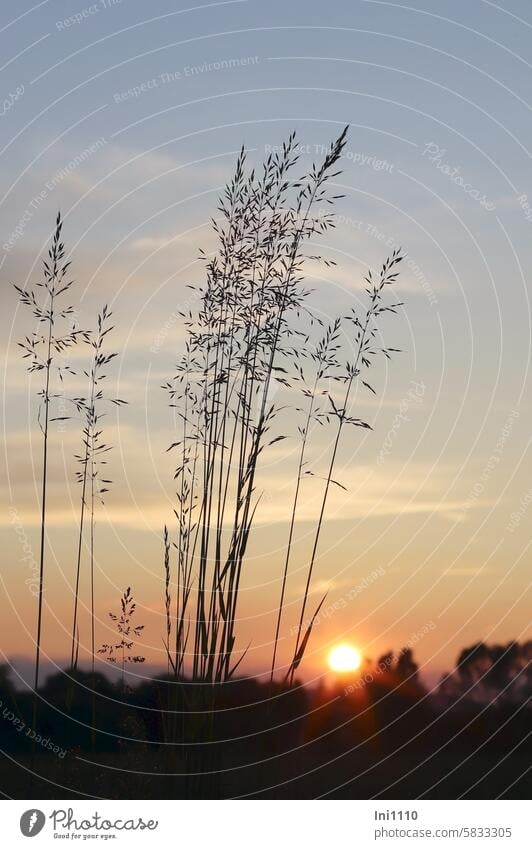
{"x":344,"y":658}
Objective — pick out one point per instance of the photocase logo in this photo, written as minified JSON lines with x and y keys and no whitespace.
{"x":32,"y":822}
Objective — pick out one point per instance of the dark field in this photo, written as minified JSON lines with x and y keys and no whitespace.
{"x":177,"y":740}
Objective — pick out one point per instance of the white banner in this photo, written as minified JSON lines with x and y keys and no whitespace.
{"x":255,"y":824}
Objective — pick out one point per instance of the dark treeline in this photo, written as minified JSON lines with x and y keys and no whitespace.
{"x":378,"y":732}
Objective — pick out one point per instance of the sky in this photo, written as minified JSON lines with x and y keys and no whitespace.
{"x":129,"y":118}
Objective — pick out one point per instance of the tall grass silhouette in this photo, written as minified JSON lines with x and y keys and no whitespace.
{"x":366,"y":348}
{"x":43,"y":348}
{"x":324,"y":362}
{"x":252,"y":330}
{"x":92,"y":461}
{"x":127,"y":632}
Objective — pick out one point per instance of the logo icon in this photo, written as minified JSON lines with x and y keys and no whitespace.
{"x":32,"y":822}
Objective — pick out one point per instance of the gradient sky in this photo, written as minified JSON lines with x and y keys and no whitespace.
{"x":430,"y":98}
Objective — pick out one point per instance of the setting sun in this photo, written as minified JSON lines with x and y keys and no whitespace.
{"x":344,"y":658}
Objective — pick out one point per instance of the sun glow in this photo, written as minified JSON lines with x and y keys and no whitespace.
{"x":344,"y":658}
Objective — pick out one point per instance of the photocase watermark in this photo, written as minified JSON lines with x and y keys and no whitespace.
{"x":63,"y":402}
{"x":32,"y":822}
{"x":354,"y":156}
{"x":341,"y":603}
{"x":525,"y":206}
{"x":11,"y":99}
{"x":366,"y":160}
{"x":86,"y":13}
{"x":369,"y":229}
{"x":20,"y":726}
{"x":66,"y":824}
{"x":48,"y":188}
{"x":27,"y":552}
{"x":299,"y":148}
{"x":492,"y":463}
{"x":186,"y":72}
{"x":74,"y":163}
{"x":419,"y":275}
{"x":413,"y":396}
{"x":176,"y":315}
{"x":436,"y":154}
{"x":161,"y":336}
{"x":65,"y":820}
{"x":390,"y":659}
{"x":517,"y":515}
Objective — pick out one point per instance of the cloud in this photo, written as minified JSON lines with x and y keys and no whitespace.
{"x":142,"y":495}
{"x":467,"y":571}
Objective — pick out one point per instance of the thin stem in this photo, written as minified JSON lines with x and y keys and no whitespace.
{"x":82,"y":514}
{"x":292,"y":525}
{"x":43,"y":495}
{"x":92,"y":550}
{"x":363,"y":350}
{"x":78,"y":562}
